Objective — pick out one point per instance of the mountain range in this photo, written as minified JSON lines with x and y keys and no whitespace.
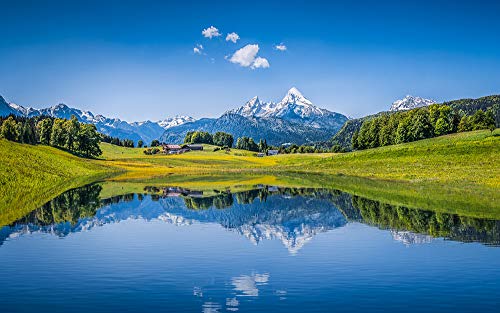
{"x":410,"y":102}
{"x":115,"y":127}
{"x":294,"y":119}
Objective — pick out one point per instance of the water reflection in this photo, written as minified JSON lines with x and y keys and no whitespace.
{"x":292,"y":215}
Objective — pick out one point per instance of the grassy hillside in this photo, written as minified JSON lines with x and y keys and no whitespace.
{"x":32,"y":175}
{"x":463,"y":157}
{"x":344,"y":136}
{"x":461,"y":171}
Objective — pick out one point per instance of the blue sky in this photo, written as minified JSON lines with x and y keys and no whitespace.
{"x":135,"y":59}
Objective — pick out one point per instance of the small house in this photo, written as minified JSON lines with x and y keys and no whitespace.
{"x":272,"y":152}
{"x":195,"y":147}
{"x":171,"y":149}
{"x":260,"y":155}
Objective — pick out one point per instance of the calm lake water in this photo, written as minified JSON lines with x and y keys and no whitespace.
{"x":267,"y":249}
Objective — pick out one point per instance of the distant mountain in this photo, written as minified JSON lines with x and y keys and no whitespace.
{"x":146,"y":130}
{"x":6,"y":109}
{"x":294,"y":119}
{"x":175,"y":121}
{"x":410,"y":102}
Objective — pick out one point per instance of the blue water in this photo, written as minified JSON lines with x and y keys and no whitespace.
{"x":285,"y":252}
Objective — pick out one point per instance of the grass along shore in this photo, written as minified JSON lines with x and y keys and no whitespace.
{"x":463,"y":167}
{"x":32,"y":175}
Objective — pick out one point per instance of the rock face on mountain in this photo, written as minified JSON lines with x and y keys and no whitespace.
{"x":5,"y":108}
{"x":292,"y":120}
{"x":146,"y":131}
{"x":410,"y":102}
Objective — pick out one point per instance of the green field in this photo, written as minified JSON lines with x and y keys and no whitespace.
{"x":32,"y":175}
{"x":458,"y":173}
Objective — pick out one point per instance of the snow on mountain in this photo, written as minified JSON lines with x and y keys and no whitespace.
{"x":5,"y":108}
{"x":175,"y":121}
{"x":146,"y":130}
{"x":254,"y":108}
{"x":410,"y":102}
{"x":293,"y":119}
{"x":293,"y":105}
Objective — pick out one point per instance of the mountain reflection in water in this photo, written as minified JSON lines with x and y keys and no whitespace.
{"x":292,"y":215}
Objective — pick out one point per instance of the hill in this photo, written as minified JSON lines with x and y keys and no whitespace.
{"x":32,"y":175}
{"x":344,"y":136}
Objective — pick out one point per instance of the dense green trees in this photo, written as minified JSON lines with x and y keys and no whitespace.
{"x":400,"y":127}
{"x":117,"y":141}
{"x":247,"y":143}
{"x":223,"y":139}
{"x":69,"y":134}
{"x":140,"y":143}
{"x":199,"y":137}
{"x":87,"y":140}
{"x":44,"y":129}
{"x":9,"y":129}
{"x":263,"y":145}
{"x":305,"y":149}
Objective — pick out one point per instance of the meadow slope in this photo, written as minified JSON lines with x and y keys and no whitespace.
{"x":32,"y":175}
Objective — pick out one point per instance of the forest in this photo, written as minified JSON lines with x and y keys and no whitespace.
{"x":71,"y":135}
{"x":421,"y":123}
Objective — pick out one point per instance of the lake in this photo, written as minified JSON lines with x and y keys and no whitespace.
{"x":268,"y":248}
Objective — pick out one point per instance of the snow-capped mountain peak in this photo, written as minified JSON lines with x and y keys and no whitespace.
{"x":293,"y":106}
{"x":175,"y":121}
{"x":254,"y":108}
{"x":294,"y":96}
{"x":410,"y":102}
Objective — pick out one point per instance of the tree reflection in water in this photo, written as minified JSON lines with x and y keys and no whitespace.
{"x":293,"y":215}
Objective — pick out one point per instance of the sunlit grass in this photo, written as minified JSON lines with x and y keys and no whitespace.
{"x":32,"y":175}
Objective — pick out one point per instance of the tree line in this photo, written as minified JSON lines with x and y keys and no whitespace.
{"x":76,"y":137}
{"x":221,"y":139}
{"x":226,"y":140}
{"x":121,"y":142}
{"x":421,"y":123}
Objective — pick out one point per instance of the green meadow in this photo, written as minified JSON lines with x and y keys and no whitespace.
{"x":458,"y":173}
{"x":32,"y":175}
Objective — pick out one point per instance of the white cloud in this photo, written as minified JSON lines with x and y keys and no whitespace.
{"x":210,"y":32}
{"x":260,"y":63}
{"x":198,"y":49}
{"x":232,"y":37}
{"x":280,"y":47}
{"x":245,"y":56}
